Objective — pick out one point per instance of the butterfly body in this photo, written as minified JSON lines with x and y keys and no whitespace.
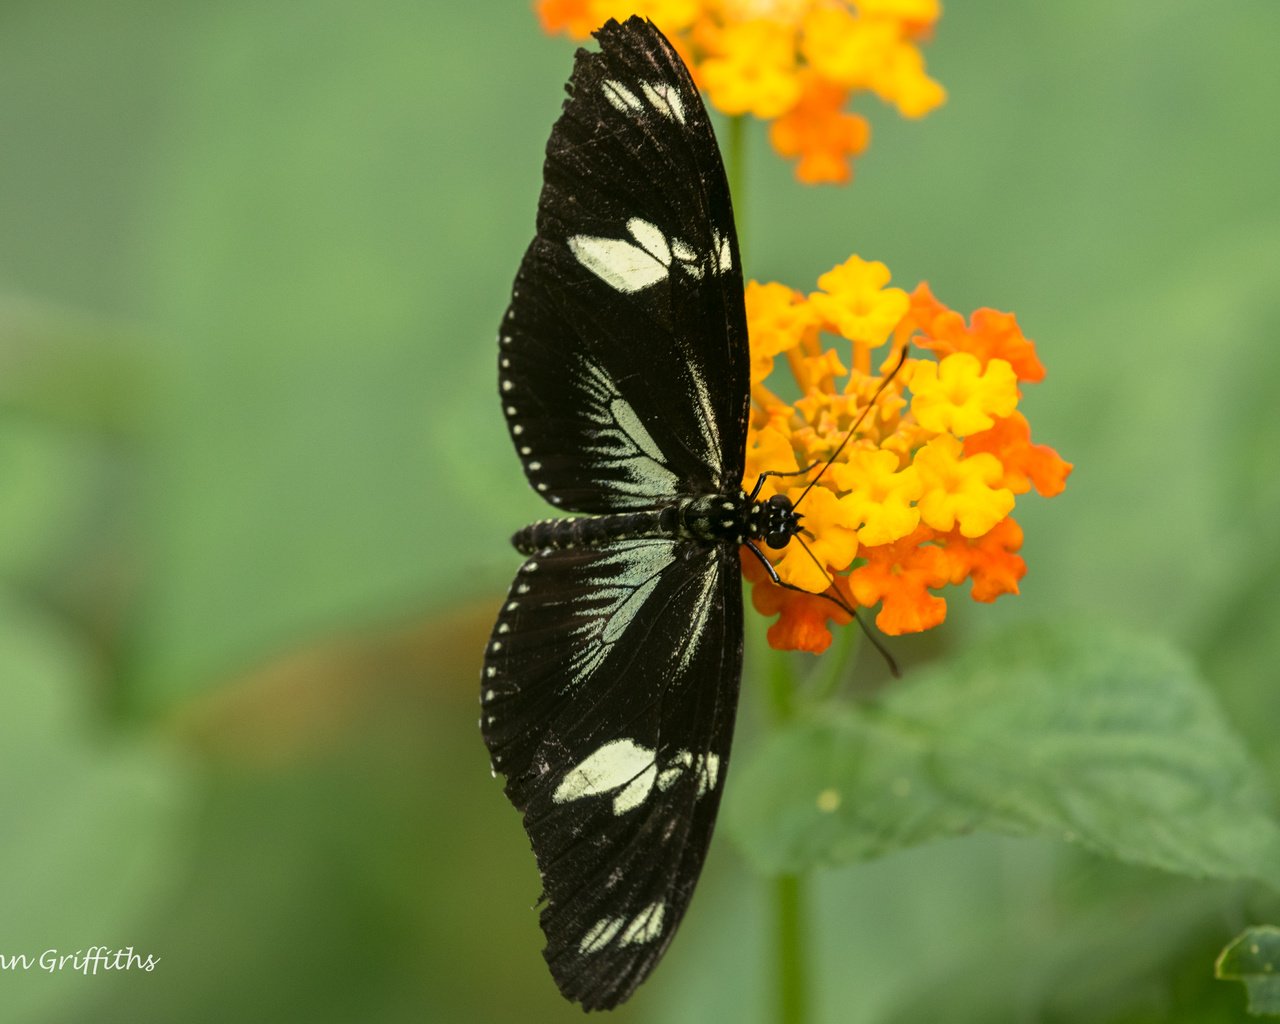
{"x":712,"y":519}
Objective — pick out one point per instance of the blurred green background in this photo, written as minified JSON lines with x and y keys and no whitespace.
{"x":255,"y":494}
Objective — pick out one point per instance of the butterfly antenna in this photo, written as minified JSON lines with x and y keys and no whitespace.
{"x":856,"y":424}
{"x":838,"y":598}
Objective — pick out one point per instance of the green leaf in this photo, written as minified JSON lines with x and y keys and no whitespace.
{"x":1254,"y":958}
{"x":1092,"y":737}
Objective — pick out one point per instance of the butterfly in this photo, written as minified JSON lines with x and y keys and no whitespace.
{"x":610,"y":681}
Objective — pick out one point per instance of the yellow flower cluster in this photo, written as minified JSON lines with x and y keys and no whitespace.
{"x":920,"y":497}
{"x":795,"y":63}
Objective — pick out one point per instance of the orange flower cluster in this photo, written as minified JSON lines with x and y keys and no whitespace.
{"x":795,"y":63}
{"x":921,"y":496}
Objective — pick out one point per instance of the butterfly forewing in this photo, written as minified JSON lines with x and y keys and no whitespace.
{"x":623,"y":356}
{"x":609,"y":696}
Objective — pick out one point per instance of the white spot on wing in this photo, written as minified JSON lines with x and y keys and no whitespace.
{"x":635,"y":792}
{"x":682,"y":251}
{"x":600,"y":934}
{"x":644,"y":927}
{"x":665,"y":99}
{"x":722,"y":256}
{"x":708,"y":773}
{"x":675,"y":768}
{"x":705,"y":768}
{"x":617,"y":764}
{"x":651,"y":238}
{"x":619,"y":264}
{"x":620,"y":96}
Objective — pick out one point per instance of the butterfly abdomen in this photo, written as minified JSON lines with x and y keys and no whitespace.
{"x":594,"y":531}
{"x":712,"y":518}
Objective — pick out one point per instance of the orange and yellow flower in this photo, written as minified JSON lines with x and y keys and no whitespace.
{"x":920,"y":498}
{"x":795,"y":63}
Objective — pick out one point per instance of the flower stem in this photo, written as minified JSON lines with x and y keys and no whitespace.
{"x":782,"y":687}
{"x":790,"y":927}
{"x":791,"y":994}
{"x":832,"y":671}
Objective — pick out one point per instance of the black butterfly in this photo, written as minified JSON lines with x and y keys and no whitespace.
{"x":611,"y":679}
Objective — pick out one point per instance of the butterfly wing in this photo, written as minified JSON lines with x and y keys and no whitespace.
{"x":609,"y":693}
{"x":623,"y":361}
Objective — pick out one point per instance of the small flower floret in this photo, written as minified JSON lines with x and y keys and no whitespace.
{"x":856,"y":302}
{"x":960,"y":396}
{"x":960,"y":491}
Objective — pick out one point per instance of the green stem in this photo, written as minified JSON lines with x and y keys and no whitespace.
{"x":792,"y":993}
{"x":782,"y":687}
{"x":832,"y":669}
{"x":790,"y":926}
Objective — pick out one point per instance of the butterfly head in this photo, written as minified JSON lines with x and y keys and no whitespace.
{"x":782,"y":521}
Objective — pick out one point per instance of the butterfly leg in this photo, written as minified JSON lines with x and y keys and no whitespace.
{"x":835,"y":599}
{"x":755,"y":491}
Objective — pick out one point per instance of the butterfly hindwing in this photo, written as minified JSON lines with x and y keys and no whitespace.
{"x":610,"y":688}
{"x":623,"y":356}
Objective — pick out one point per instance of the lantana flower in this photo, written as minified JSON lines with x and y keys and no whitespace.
{"x":794,"y":63}
{"x":920,"y":497}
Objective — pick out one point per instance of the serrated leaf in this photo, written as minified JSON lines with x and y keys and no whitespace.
{"x":1253,"y":957}
{"x":1093,"y":737}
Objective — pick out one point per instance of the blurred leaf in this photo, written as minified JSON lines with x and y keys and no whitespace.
{"x":54,"y":378}
{"x":1254,"y":958}
{"x":1236,"y":637}
{"x":1092,"y":737}
{"x":48,"y":475}
{"x":68,"y":371}
{"x":1101,"y":942}
{"x":90,"y":821}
